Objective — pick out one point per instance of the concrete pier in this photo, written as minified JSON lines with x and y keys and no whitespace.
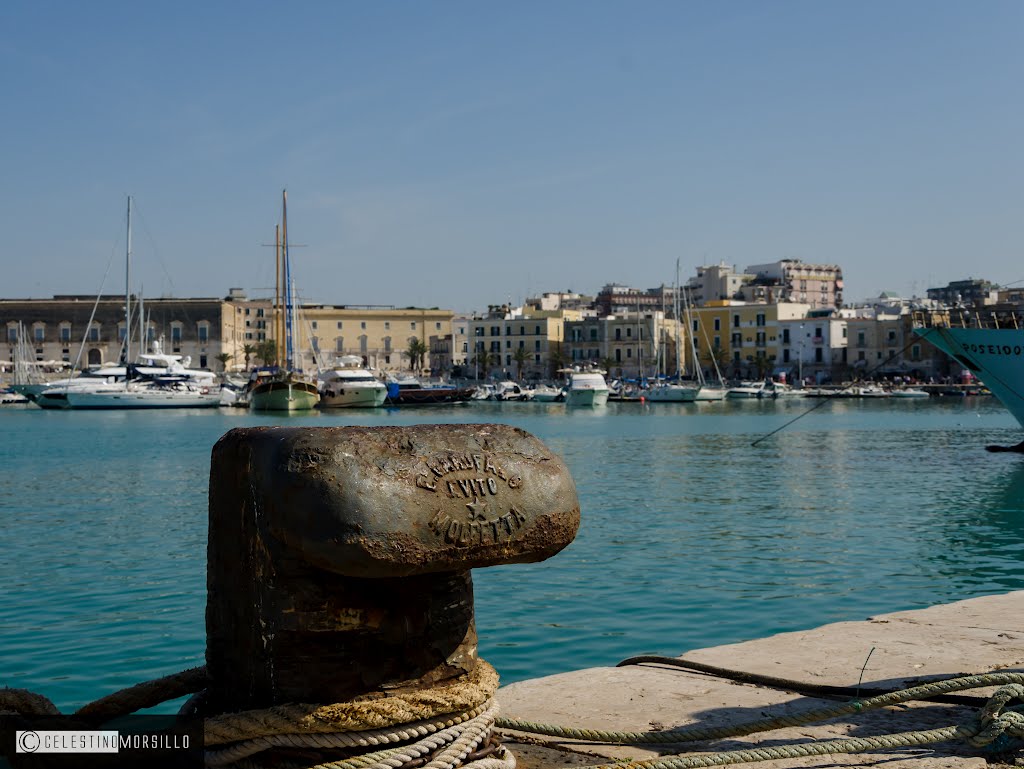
{"x":910,"y":648}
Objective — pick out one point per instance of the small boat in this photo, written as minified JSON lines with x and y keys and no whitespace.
{"x":510,"y":391}
{"x":10,"y":398}
{"x":587,"y":388}
{"x":909,"y":392}
{"x":671,"y":392}
{"x":350,"y":385}
{"x":548,"y":394}
{"x":409,"y":391}
{"x":746,"y":390}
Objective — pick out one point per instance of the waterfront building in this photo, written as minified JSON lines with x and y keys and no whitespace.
{"x":91,"y":331}
{"x":632,"y":345}
{"x":517,"y":343}
{"x":379,"y":334}
{"x":743,"y":339}
{"x":814,"y":347}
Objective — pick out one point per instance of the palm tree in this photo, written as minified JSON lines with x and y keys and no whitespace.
{"x":415,"y":351}
{"x":556,"y":358}
{"x":493,"y":358}
{"x":266,"y":351}
{"x":224,"y":357}
{"x":248,"y":351}
{"x":521,"y":356}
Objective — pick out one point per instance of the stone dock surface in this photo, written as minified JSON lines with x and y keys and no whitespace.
{"x":896,"y":650}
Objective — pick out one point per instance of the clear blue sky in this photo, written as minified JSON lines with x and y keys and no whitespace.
{"x":456,"y":154}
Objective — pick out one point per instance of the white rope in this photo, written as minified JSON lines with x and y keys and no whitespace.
{"x":461,"y":733}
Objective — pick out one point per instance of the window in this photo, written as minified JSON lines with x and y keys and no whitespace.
{"x":339,"y":344}
{"x":65,"y":334}
{"x":202,"y":361}
{"x":259,"y":312}
{"x":413,"y":325}
{"x":629,"y":333}
{"x":204,"y":333}
{"x":387,"y":325}
{"x":387,"y":344}
{"x":760,"y":319}
{"x":593,"y":335}
{"x":362,"y":344}
{"x":120,"y":333}
{"x":12,"y":333}
{"x":176,"y":334}
{"x":536,"y":330}
{"x":362,"y":325}
{"x":735,"y":321}
{"x":94,"y":334}
{"x":785,"y":336}
{"x":40,"y":333}
{"x":314,"y":342}
{"x":339,"y":325}
{"x":522,"y":331}
{"x":313,"y":324}
{"x":696,"y":325}
{"x":915,"y":352}
{"x":618,"y":334}
{"x":718,"y":343}
{"x":718,"y":324}
{"x":536,"y":345}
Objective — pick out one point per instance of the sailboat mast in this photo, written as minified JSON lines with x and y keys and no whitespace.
{"x":289,"y":305}
{"x":278,"y":332}
{"x":127,"y":290}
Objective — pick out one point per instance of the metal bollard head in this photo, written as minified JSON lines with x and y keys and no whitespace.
{"x":401,"y":501}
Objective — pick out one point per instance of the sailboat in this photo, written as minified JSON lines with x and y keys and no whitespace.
{"x":677,"y":391}
{"x":705,"y":391}
{"x":129,"y":386}
{"x":283,"y":387}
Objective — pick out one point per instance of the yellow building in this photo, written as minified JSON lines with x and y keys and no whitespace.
{"x":381,"y":336}
{"x":743,"y":339}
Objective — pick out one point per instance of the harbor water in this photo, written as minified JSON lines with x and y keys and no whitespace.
{"x":693,"y":535}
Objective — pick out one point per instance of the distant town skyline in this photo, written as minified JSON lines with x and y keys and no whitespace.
{"x":458,"y":154}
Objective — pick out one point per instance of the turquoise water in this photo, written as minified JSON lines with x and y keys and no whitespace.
{"x":691,"y":536}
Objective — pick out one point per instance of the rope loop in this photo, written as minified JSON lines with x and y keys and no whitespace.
{"x":995,"y":720}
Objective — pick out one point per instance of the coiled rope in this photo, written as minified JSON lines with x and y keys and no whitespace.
{"x":452,"y":725}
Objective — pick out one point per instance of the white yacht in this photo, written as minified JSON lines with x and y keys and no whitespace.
{"x":155,"y":377}
{"x":510,"y":391}
{"x":350,"y":385}
{"x":587,"y":388}
{"x":671,"y":392}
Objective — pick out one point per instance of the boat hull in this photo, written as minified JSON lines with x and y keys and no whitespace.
{"x":586,"y":398}
{"x":335,"y":397}
{"x":993,"y":355}
{"x":284,"y":396}
{"x":672,"y":394}
{"x":430,"y":396}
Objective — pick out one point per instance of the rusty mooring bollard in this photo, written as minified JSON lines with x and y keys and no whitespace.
{"x":339,"y":558}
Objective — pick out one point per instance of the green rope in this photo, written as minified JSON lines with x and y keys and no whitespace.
{"x":993,"y":722}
